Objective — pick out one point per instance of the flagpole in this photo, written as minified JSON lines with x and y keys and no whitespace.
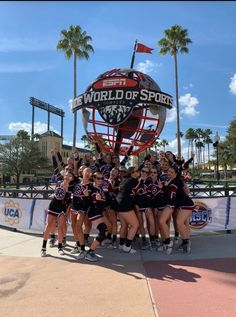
{"x":133,"y":56}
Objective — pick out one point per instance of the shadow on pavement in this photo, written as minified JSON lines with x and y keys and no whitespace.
{"x":166,"y":271}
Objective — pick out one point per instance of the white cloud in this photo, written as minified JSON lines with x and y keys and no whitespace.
{"x":173,"y":147}
{"x":24,"y":68}
{"x":39,"y":127}
{"x":148,"y":67}
{"x":171,"y":115}
{"x":232,"y":85}
{"x":189,"y":103}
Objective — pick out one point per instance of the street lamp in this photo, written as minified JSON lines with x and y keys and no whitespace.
{"x":216,"y":145}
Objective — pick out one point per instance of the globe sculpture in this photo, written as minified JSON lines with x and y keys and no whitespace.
{"x":123,"y":109}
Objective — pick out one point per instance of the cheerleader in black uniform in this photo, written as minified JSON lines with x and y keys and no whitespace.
{"x":158,"y":201}
{"x":73,"y":163}
{"x":95,"y":215}
{"x":181,"y":165}
{"x":177,"y":198}
{"x":105,"y":165}
{"x":79,"y":207}
{"x":111,"y":188}
{"x":143,"y":208}
{"x":125,"y":207}
{"x":57,"y":213}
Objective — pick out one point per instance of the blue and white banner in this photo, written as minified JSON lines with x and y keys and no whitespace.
{"x":15,"y":213}
{"x":209,"y":214}
{"x":39,"y":214}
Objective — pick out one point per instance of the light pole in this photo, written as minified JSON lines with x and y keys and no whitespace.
{"x":216,"y":145}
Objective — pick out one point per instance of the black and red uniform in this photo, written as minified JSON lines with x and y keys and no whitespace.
{"x":80,"y":202}
{"x":105,"y":169}
{"x":157,"y":195}
{"x":97,"y":207}
{"x":142,"y":197}
{"x":125,"y":198}
{"x":110,"y":192}
{"x":60,"y":201}
{"x":93,"y":166}
{"x":175,"y":195}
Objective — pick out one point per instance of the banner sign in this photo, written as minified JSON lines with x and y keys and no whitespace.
{"x":39,"y":214}
{"x":115,"y":98}
{"x":15,"y":213}
{"x":209,"y":214}
{"x":231,"y":213}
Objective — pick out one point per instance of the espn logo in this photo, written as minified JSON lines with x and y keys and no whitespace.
{"x":114,"y":82}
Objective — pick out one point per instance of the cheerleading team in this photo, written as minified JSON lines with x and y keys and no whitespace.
{"x":104,"y":195}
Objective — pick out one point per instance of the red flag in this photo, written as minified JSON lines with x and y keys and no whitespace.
{"x":140,"y":48}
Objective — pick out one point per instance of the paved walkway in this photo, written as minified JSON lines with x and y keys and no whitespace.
{"x":147,"y":284}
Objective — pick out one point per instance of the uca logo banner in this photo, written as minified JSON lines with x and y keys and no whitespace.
{"x":12,"y":212}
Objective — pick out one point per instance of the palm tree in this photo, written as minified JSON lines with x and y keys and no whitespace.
{"x":84,"y":138}
{"x":164,"y":143}
{"x":156,"y":144}
{"x":224,"y":156}
{"x":190,"y":136}
{"x":87,"y":142}
{"x":199,"y":143}
{"x":176,"y":40}
{"x":207,"y":140}
{"x":75,"y":42}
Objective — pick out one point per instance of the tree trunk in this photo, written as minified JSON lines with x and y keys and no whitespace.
{"x":17,"y":181}
{"x":208,"y":149}
{"x":189,"y":142}
{"x":203,"y":156}
{"x":75,"y":113}
{"x":177,"y":107}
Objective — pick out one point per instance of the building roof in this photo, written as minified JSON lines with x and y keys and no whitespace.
{"x":51,"y":133}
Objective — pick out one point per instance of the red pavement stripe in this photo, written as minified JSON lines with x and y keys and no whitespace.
{"x":195,"y":288}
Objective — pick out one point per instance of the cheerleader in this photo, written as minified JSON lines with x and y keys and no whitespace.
{"x":125,"y":208}
{"x":79,"y":207}
{"x":56,"y":213}
{"x":143,"y":208}
{"x":177,"y":198}
{"x":105,"y":165}
{"x":157,"y":201}
{"x":111,"y":188}
{"x":95,"y":215}
{"x":181,"y":165}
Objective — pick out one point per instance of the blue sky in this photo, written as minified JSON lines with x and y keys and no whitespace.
{"x":31,"y":66}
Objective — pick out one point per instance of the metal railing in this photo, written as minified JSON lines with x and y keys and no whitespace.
{"x":210,"y":190}
{"x":30,"y":190}
{"x":46,"y":190}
